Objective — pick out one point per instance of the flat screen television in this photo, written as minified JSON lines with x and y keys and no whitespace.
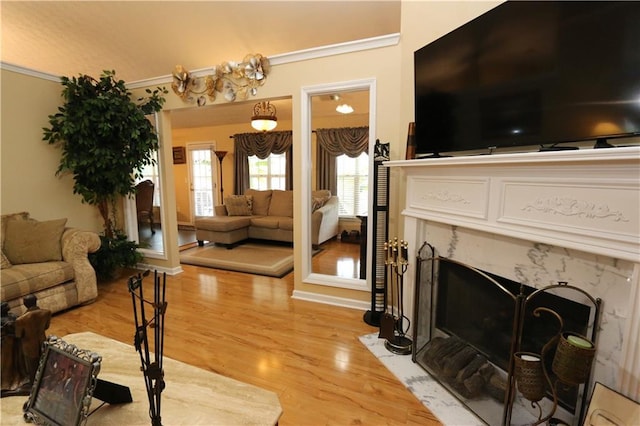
{"x":531,"y":73}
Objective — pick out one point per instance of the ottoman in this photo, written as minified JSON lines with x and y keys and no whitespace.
{"x":226,"y":230}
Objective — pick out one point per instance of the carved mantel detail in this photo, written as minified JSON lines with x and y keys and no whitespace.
{"x":445,"y":196}
{"x":568,"y":206}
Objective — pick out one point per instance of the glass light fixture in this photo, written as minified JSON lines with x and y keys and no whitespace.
{"x":264,"y":117}
{"x":344,"y":109}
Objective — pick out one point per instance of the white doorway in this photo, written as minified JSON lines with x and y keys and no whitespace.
{"x":203,"y":179}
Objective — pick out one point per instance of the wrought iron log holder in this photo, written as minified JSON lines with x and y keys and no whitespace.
{"x":571,"y":363}
{"x":152,"y":369}
{"x":392,"y":323}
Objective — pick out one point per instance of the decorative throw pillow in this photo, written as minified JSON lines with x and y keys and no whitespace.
{"x":30,"y":241}
{"x":5,"y":262}
{"x":319,"y":198}
{"x":261,"y":201}
{"x":239,"y":205}
{"x":7,"y":217}
{"x":316,"y":203}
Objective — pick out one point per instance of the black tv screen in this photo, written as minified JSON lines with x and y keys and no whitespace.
{"x":531,"y":73}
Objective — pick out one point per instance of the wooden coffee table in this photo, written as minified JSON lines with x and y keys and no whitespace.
{"x":192,"y":395}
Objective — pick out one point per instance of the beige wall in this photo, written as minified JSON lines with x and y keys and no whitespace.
{"x":28,"y":163}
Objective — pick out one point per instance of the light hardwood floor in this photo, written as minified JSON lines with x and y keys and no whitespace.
{"x":249,"y":328}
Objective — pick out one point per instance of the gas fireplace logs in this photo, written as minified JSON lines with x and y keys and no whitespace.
{"x":464,"y":368}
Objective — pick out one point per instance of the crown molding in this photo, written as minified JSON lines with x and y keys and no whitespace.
{"x":297,"y":56}
{"x":27,"y":71}
{"x":336,"y":49}
{"x":275,"y":60}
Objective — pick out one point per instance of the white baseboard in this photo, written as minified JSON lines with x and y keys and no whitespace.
{"x":160,"y":269}
{"x":331,"y":300}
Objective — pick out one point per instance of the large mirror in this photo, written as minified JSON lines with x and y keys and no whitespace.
{"x":326,"y":132}
{"x":143,"y":211}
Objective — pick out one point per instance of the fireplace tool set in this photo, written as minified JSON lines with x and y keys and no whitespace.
{"x":393,"y":320}
{"x":152,"y":370}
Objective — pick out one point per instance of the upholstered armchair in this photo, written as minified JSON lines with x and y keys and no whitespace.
{"x":144,"y":201}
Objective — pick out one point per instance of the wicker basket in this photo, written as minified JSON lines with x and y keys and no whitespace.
{"x":529,"y":376}
{"x":572,"y":364}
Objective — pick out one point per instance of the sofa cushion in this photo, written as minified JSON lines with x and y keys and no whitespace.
{"x":285,"y":223}
{"x":261,"y":201}
{"x":268,"y":222}
{"x":223,"y":223}
{"x":21,"y":280}
{"x":30,"y":241}
{"x":239,"y":205}
{"x":281,"y":203}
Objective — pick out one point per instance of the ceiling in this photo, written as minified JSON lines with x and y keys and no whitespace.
{"x":142,"y":40}
{"x":147,"y":39}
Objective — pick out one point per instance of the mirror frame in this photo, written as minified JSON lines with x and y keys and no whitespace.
{"x":307,"y":92}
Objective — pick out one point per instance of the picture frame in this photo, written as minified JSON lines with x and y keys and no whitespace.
{"x":608,"y":407}
{"x":64,"y":384}
{"x":179,"y":155}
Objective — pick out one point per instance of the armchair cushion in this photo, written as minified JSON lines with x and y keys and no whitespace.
{"x":31,"y":241}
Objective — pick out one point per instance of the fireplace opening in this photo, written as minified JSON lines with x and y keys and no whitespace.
{"x":465,"y":326}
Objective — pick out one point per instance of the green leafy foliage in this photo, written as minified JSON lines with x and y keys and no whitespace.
{"x":116,"y":252}
{"x":105,"y":137}
{"x":106,"y":140}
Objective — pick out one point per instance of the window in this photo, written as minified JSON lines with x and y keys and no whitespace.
{"x":353,"y":184}
{"x":150,"y":171}
{"x":269,"y":173}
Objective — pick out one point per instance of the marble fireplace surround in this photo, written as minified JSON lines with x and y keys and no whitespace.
{"x":541,"y":218}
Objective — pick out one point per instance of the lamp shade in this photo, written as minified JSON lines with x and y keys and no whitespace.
{"x":264,"y":117}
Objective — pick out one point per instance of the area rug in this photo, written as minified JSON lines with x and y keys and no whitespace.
{"x":252,"y":258}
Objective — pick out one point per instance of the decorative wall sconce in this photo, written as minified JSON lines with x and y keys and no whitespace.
{"x":264,"y":117}
{"x":231,"y":79}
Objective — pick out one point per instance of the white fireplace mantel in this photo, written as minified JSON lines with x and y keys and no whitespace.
{"x":586,"y":200}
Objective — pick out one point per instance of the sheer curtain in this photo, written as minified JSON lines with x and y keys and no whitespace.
{"x":351,"y":141}
{"x":261,"y":145}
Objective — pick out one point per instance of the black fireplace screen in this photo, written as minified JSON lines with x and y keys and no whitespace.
{"x":465,"y":324}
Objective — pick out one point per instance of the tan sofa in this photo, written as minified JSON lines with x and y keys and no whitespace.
{"x":46,"y":259}
{"x":266,"y":215}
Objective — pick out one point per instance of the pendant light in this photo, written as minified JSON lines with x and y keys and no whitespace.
{"x":264,"y":117}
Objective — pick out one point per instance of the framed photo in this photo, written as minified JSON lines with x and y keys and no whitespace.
{"x":64,"y":384}
{"x":610,"y":408}
{"x":179,"y":155}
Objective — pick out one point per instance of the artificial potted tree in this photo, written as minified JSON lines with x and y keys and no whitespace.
{"x":106,"y":140}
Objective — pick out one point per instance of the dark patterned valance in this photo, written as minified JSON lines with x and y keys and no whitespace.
{"x":263,"y":144}
{"x":352,"y":141}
